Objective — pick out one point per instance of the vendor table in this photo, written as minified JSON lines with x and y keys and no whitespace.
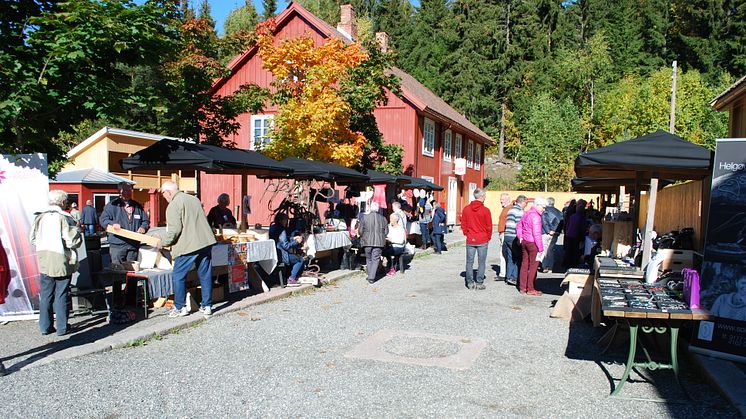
{"x":327,"y":241}
{"x":241,"y":257}
{"x":647,"y":309}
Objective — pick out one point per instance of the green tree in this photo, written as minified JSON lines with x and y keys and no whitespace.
{"x":552,"y":135}
{"x":269,"y":8}
{"x":243,"y":18}
{"x":205,"y":12}
{"x":395,"y":17}
{"x":70,"y":67}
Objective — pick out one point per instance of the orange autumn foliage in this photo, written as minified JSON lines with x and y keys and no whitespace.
{"x":313,"y":119}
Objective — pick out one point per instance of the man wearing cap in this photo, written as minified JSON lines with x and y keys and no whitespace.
{"x":124,"y":213}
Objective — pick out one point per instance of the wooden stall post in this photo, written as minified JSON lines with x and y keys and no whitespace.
{"x":647,"y":244}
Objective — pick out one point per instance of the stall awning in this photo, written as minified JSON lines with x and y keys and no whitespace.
{"x":419,"y":183}
{"x":656,"y":155}
{"x":179,"y":155}
{"x":317,"y":170}
{"x":377,"y":177}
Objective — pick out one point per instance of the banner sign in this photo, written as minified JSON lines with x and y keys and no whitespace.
{"x":459,"y":166}
{"x":723,"y":275}
{"x":24,"y":189}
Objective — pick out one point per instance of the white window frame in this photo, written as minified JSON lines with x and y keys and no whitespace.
{"x":428,"y":138}
{"x":264,"y":118}
{"x":459,"y":147}
{"x":470,"y":153}
{"x":477,"y":156}
{"x":447,"y":143}
{"x":428,"y":178}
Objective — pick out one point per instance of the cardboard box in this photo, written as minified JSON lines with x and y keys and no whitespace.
{"x":142,"y":238}
{"x":676,"y":259}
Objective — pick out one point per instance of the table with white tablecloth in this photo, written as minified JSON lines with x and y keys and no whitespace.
{"x":327,"y":241}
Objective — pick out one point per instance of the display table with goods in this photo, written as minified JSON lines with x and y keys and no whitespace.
{"x":239,"y":252}
{"x":622,"y":297}
{"x":326,"y":241}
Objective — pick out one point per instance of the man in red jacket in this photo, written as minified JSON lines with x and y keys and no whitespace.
{"x":476,"y":223}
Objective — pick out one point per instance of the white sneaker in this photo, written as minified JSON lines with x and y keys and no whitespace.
{"x":206,"y":311}
{"x":178,"y":313}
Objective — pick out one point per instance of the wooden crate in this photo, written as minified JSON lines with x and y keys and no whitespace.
{"x":676,"y":259}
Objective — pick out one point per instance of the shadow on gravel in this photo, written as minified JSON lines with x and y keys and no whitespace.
{"x":693,"y":398}
{"x":85,"y":332}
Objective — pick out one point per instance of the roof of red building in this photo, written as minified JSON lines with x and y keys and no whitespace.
{"x":415,"y":92}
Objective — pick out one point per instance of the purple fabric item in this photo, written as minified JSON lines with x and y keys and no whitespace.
{"x":529,"y":228}
{"x":574,"y":225}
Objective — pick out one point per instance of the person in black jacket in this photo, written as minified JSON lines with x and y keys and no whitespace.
{"x":439,"y":226}
{"x":372,"y":231}
{"x":89,"y":219}
{"x":127,"y":214}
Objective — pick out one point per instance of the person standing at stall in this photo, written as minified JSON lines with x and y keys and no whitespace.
{"x":124,"y":213}
{"x":425,"y":212}
{"x":191,"y":238}
{"x":439,"y":226}
{"x":89,"y":218}
{"x":528,"y":233}
{"x":551,"y":220}
{"x":372,"y":231}
{"x":56,"y":236}
{"x":574,"y":234}
{"x":476,"y":223}
{"x":506,"y":204}
{"x":220,"y":216}
{"x":511,"y":248}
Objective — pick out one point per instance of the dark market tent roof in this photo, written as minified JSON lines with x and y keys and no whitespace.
{"x":659,"y":155}
{"x":603,"y":185}
{"x":89,"y":176}
{"x":419,"y":183}
{"x":311,"y":169}
{"x":377,"y":177}
{"x":178,"y":155}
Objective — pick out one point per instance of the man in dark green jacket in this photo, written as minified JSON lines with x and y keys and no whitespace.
{"x":191,"y":239}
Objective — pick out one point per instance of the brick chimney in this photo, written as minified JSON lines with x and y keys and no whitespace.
{"x":347,"y":23}
{"x":382,"y":38}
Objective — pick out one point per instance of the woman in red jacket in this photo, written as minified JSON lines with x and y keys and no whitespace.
{"x":528,"y":232}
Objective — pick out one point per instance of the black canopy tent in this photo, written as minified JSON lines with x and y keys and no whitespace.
{"x":610,"y":185}
{"x":180,"y":155}
{"x":647,"y":159}
{"x":419,"y":183}
{"x":377,"y":178}
{"x":303,"y":169}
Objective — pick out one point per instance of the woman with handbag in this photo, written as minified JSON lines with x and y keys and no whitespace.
{"x":439,"y":226}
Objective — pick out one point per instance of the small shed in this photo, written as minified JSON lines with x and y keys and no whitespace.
{"x":84,"y":184}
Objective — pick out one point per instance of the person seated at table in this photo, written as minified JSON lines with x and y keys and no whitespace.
{"x":396,"y":209}
{"x":396,"y":239}
{"x":287,"y":244}
{"x":220,"y":216}
{"x":592,"y":245}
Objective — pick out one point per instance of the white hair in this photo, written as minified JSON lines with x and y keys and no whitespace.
{"x":57,"y":197}
{"x":374,"y":207}
{"x":169,"y":186}
{"x":550,"y":201}
{"x":539,"y":201}
{"x":396,"y":205}
{"x":479,"y":193}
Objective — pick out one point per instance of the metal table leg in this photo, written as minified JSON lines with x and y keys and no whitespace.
{"x":633,"y":327}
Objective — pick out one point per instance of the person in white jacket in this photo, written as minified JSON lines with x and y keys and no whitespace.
{"x":56,"y":236}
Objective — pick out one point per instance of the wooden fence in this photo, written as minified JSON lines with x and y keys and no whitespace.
{"x":678,"y":206}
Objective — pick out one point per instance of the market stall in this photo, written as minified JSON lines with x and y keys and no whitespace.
{"x":646,"y":160}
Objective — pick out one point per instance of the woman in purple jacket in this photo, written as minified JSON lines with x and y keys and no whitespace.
{"x":528,"y":232}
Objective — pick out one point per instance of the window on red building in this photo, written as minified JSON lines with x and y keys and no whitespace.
{"x":447,"y":145}
{"x":428,"y":138}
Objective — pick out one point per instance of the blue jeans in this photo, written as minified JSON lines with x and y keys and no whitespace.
{"x":511,"y":266}
{"x":425,"y":235}
{"x":202,"y":259}
{"x":481,"y":251}
{"x":438,"y":242}
{"x":297,"y":263}
{"x":54,"y":294}
{"x":90,"y":229}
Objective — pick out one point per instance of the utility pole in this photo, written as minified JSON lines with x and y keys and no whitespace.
{"x":672,"y":120}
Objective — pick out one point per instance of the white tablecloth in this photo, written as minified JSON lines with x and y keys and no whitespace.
{"x":263,"y":252}
{"x":326,"y":241}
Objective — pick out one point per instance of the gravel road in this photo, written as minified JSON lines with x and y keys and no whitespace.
{"x":288,"y":358}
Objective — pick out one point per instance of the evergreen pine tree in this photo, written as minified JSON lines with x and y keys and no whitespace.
{"x":270,"y":8}
{"x":244,"y":18}
{"x":205,"y":12}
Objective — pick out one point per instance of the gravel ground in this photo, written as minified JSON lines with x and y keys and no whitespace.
{"x":287,"y":358}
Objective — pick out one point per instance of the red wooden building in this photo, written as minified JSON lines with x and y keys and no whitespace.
{"x":431,"y":132}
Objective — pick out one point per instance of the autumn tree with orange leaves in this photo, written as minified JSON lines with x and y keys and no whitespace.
{"x":314,"y":118}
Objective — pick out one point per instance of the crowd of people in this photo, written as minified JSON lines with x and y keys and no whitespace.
{"x":527,"y":238}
